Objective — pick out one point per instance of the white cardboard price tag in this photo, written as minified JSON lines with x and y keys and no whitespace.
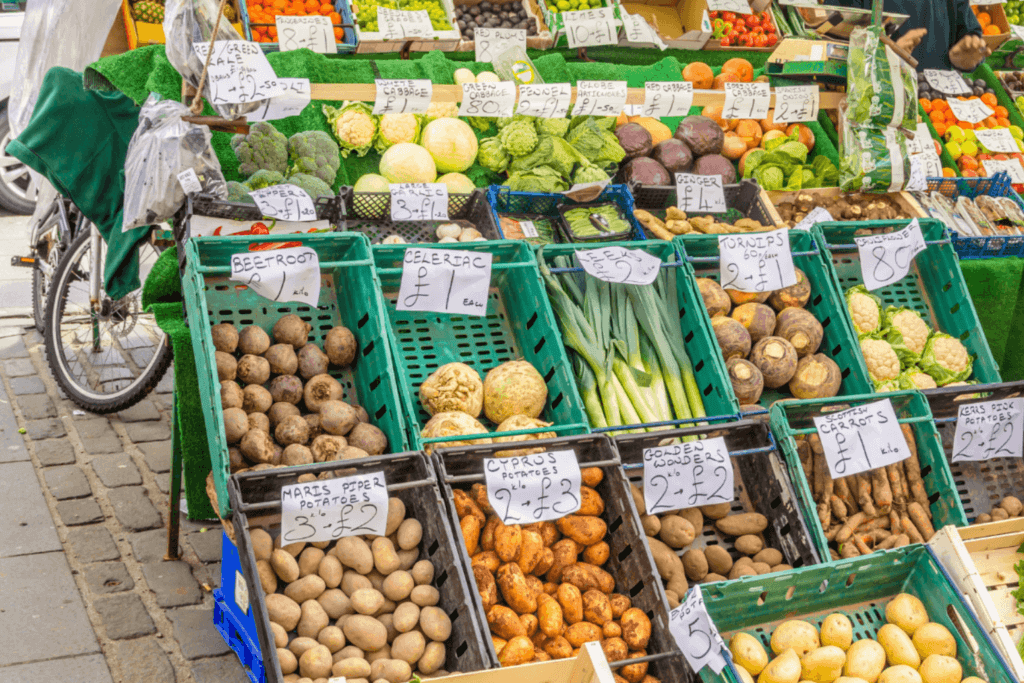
{"x":758,"y":262}
{"x":241,"y":592}
{"x":397,"y":23}
{"x":599,"y":98}
{"x":314,"y":32}
{"x":796,"y":104}
{"x":489,"y":100}
{"x":918,"y":181}
{"x":667,"y":99}
{"x":737,"y":6}
{"x":1017,"y":31}
{"x":746,"y":101}
{"x":402,"y":96}
{"x":546,"y":100}
{"x":997,"y":140}
{"x":620,"y":265}
{"x":291,"y":274}
{"x":988,"y":2}
{"x":885,"y":259}
{"x":989,"y":430}
{"x":817,"y":215}
{"x":946,"y":82}
{"x":1011,"y":166}
{"x":285,"y":202}
{"x":330,"y":509}
{"x":190,"y":181}
{"x":695,"y":633}
{"x":591,"y":27}
{"x":291,"y":102}
{"x":445,"y":281}
{"x":491,"y":43}
{"x":419,"y":202}
{"x":921,"y":142}
{"x":239,"y":72}
{"x":700,"y":193}
{"x":636,"y":30}
{"x":688,"y":475}
{"x":533,"y":488}
{"x":861,"y":439}
{"x":971,"y":111}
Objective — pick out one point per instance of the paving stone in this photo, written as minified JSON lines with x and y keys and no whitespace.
{"x":31,"y":337}
{"x":166,"y":384}
{"x":219,"y":670}
{"x":54,"y":452}
{"x":67,"y":481}
{"x":12,"y":443}
{"x":13,"y":347}
{"x":117,"y":470}
{"x":140,"y":412}
{"x":173,"y":583}
{"x":140,"y":432}
{"x":124,"y":616}
{"x":207,"y":545}
{"x":26,"y":525}
{"x":81,"y":669}
{"x":92,"y":544}
{"x":108,"y":577}
{"x":21,"y":367}
{"x":149,"y":546}
{"x":37,"y":406}
{"x":208,"y":574}
{"x":98,"y":436}
{"x":157,"y":455}
{"x":82,"y":511}
{"x":22,"y":386}
{"x":164,"y":402}
{"x":133,"y":508}
{"x":45,"y":429}
{"x":143,"y":661}
{"x":163,"y":482}
{"x":196,"y":634}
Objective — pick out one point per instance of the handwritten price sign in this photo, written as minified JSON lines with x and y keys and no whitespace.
{"x":591,"y":27}
{"x":861,"y":439}
{"x":239,"y":72}
{"x":620,"y":265}
{"x":700,"y":193}
{"x":489,"y":100}
{"x":946,"y":82}
{"x":817,"y":215}
{"x":491,"y":43}
{"x":548,"y":100}
{"x":445,"y":281}
{"x":688,"y":475}
{"x":599,"y":98}
{"x":885,"y":259}
{"x":396,"y":23}
{"x":533,"y":488}
{"x":402,"y":96}
{"x":746,"y":101}
{"x":997,"y":140}
{"x":334,"y":508}
{"x":285,"y":202}
{"x":796,"y":104}
{"x":1011,"y":167}
{"x":667,"y":99}
{"x":988,"y":430}
{"x":280,"y":274}
{"x":314,"y":32}
{"x":419,"y":202}
{"x":695,"y":633}
{"x":290,"y":102}
{"x":971,"y":111}
{"x":637,"y":30}
{"x":759,"y":262}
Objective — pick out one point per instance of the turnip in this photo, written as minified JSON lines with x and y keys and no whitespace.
{"x":253,"y":369}
{"x":369,"y":438}
{"x":230,"y":395}
{"x":282,"y":359}
{"x":225,"y":337}
{"x":292,"y":430}
{"x":279,"y":411}
{"x":287,"y":388}
{"x":259,"y":421}
{"x":256,"y":399}
{"x":337,"y":417}
{"x":340,"y":346}
{"x":291,"y":329}
{"x":236,"y":424}
{"x":319,"y":390}
{"x":312,"y":361}
{"x":227,"y":366}
{"x":253,"y":340}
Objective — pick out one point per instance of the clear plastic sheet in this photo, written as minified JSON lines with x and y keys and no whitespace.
{"x":871,"y":159}
{"x":881,"y":87}
{"x":162,"y":147}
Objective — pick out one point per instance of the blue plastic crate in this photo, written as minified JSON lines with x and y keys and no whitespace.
{"x":505,"y":201}
{"x":230,"y":574}
{"x":991,"y":246}
{"x":237,"y":638}
{"x":345,"y":45}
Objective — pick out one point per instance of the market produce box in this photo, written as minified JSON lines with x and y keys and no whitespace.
{"x":506,"y":364}
{"x":793,"y":207}
{"x":934,"y":288}
{"x":233,"y":615}
{"x":983,"y":486}
{"x":917,"y":493}
{"x":544,"y":211}
{"x":423,"y":572}
{"x":760,"y":520}
{"x":774,"y":352}
{"x":982,"y":561}
{"x":744,"y":199}
{"x":671,"y":340}
{"x":995,"y":27}
{"x":868,"y":592}
{"x":966,"y":244}
{"x":616,"y":571}
{"x":374,"y":42}
{"x":542,"y":40}
{"x":141,"y":32}
{"x":682,"y":25}
{"x":258,"y":28}
{"x":358,"y":367}
{"x":369,"y":213}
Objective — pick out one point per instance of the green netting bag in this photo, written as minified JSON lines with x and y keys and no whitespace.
{"x":872,"y":159}
{"x":881,"y":87}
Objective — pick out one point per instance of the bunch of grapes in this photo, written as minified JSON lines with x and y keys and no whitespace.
{"x":366,"y":13}
{"x":438,"y":17}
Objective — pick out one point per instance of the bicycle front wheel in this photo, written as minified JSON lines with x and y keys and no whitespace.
{"x":106,"y":355}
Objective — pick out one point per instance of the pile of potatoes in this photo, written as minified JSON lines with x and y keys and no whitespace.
{"x":671,"y":532}
{"x":908,"y":649}
{"x":542,"y":586}
{"x":1008,"y":508}
{"x":280,"y":405}
{"x":362,"y":607}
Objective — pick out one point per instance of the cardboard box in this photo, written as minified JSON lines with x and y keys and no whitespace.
{"x":998,"y":19}
{"x":140,"y":33}
{"x":373,"y":42}
{"x":682,"y":24}
{"x":590,"y":666}
{"x":541,"y":41}
{"x":803,"y":50}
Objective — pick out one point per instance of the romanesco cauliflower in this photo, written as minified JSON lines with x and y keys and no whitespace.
{"x":519,"y":138}
{"x":315,"y":153}
{"x":395,"y":128}
{"x":492,"y":156}
{"x":263,"y":148}
{"x":314,"y":187}
{"x":882,"y":361}
{"x":354,"y":126}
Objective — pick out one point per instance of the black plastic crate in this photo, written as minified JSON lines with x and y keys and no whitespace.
{"x":762,"y":485}
{"x":370,"y":214}
{"x":744,"y":200}
{"x":568,"y":235}
{"x":981,"y":485}
{"x":629,"y":562}
{"x":256,"y":502}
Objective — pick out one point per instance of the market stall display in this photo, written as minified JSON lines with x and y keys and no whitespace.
{"x":976,"y":238}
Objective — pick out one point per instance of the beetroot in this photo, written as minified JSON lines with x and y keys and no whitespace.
{"x":646,"y":171}
{"x":674,"y":155}
{"x":635,"y":140}
{"x":715,"y":164}
{"x":701,"y":134}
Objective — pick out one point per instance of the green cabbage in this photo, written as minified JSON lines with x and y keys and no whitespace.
{"x":492,"y":155}
{"x":887,"y":385}
{"x":540,"y":179}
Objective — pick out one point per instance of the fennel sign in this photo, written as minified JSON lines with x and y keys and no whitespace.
{"x":885,"y":259}
{"x":334,"y":508}
{"x":757,"y":262}
{"x":988,"y":430}
{"x":445,"y":281}
{"x":687,"y":475}
{"x":533,"y":488}
{"x":861,"y":439}
{"x":620,"y":265}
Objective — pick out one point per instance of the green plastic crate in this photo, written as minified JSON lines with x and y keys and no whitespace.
{"x":519,"y":324}
{"x":934,"y":287}
{"x":826,"y":303}
{"x":698,"y":338}
{"x":792,"y":418}
{"x":347,"y":297}
{"x":860,"y":588}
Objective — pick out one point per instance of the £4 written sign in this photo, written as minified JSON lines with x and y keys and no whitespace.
{"x":333,"y":508}
{"x":533,"y":488}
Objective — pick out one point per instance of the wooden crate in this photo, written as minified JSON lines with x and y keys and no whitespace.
{"x":904,"y":199}
{"x":980,"y":560}
{"x":541,"y":41}
{"x":141,"y":33}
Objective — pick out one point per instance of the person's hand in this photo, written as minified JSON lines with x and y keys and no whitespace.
{"x":911,"y":39}
{"x":969,"y":52}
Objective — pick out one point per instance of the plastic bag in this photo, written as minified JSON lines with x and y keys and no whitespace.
{"x":162,"y":147}
{"x":881,"y":87}
{"x":872,"y":159}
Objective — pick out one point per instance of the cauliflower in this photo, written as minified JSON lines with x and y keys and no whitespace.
{"x":263,"y":148}
{"x":314,"y":153}
{"x":441,"y":110}
{"x":887,"y":386}
{"x":314,"y":187}
{"x":519,"y":138}
{"x":555,"y":127}
{"x":865,"y":310}
{"x":395,"y":128}
{"x":907,"y":333}
{"x":492,"y":155}
{"x":263,"y":178}
{"x":354,"y":126}
{"x":946,"y":359}
{"x":913,"y":378}
{"x":882,"y":361}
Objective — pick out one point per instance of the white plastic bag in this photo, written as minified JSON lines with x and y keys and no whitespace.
{"x":162,"y":147}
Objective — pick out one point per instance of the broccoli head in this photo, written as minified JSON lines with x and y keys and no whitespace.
{"x":315,"y":153}
{"x":314,"y":187}
{"x":264,"y":148}
{"x":263,"y":178}
{"x":237,"y":192}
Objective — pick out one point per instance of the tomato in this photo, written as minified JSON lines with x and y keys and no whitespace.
{"x":771,"y":40}
{"x":740,"y":23}
{"x":726,"y":42}
{"x":748,"y":40}
{"x":757,"y":30}
{"x":761,"y":41}
{"x":713,"y":15}
{"x":729,"y":16}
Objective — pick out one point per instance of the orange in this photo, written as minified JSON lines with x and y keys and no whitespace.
{"x":326,"y":9}
{"x":699,"y":74}
{"x":1001,"y":112}
{"x":936,"y":117}
{"x":335,"y":18}
{"x":1003,"y":122}
{"x":990,"y":99}
{"x":741,"y":68}
{"x":272,"y":31}
{"x":723,"y":78}
{"x":940,"y":129}
{"x":939,"y":105}
{"x":949,"y":116}
{"x":991,"y":122}
{"x":312,"y":6}
{"x":948,"y":173}
{"x":339,"y":35}
{"x":991,"y":30}
{"x":966,"y":126}
{"x":926,"y":105}
{"x":984,"y":19}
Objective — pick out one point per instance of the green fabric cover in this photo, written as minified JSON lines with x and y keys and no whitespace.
{"x":995,"y":286}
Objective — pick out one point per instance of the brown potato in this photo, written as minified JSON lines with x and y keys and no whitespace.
{"x":534,"y":584}
{"x":584,"y":530}
{"x":307,"y":588}
{"x":547,"y":530}
{"x":694,"y":517}
{"x":749,"y":544}
{"x":488,"y":559}
{"x":565,"y":554}
{"x":314,"y":619}
{"x":332,"y":638}
{"x":558,"y":648}
{"x":742,"y":524}
{"x":531,"y":551}
{"x":433,"y":658}
{"x":485,"y":586}
{"x":676,"y":532}
{"x":518,"y":650}
{"x":582,"y":632}
{"x":592,"y":476}
{"x":280,"y":635}
{"x":611,"y":630}
{"x":262,"y":544}
{"x":505,"y":623}
{"x":335,"y":603}
{"x":570,"y":599}
{"x":597,"y":554}
{"x":268,"y":578}
{"x":547,"y":560}
{"x":580,"y":576}
{"x":717,"y":511}
{"x":614,"y":649}
{"x":283,"y":610}
{"x":719,"y":559}
{"x":634,"y":673}
{"x":549,"y":616}
{"x":513,"y":587}
{"x":464,"y":505}
{"x":597,"y":608}
{"x":479,"y":494}
{"x":591,"y":502}
{"x":636,"y":628}
{"x":620,"y":603}
{"x":487,"y":533}
{"x":508,"y":539}
{"x":530,"y":623}
{"x":330,"y":571}
{"x":695,"y":564}
{"x":284,"y":565}
{"x":770,"y":556}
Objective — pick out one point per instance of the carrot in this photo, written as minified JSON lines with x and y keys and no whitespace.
{"x":838,"y":508}
{"x":849,"y":527}
{"x":920,"y":520}
{"x":910,"y":530}
{"x":887,"y":543}
{"x":879,"y":535}
{"x":861,"y":545}
{"x":880,"y":490}
{"x":803,"y":450}
{"x":876,"y":523}
{"x":833,"y":554}
{"x":842,"y":489}
{"x":899,"y":495}
{"x":867,"y":506}
{"x":830,"y":535}
{"x":894,"y":522}
{"x":912,"y":467}
{"x":849,"y":550}
{"x":901,"y":541}
{"x":824,"y":514}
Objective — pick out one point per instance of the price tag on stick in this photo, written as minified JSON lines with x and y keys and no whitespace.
{"x":796,"y":104}
{"x":445,"y":281}
{"x":700,"y":193}
{"x":314,"y":32}
{"x":746,"y":101}
{"x":861,"y":439}
{"x":599,"y":98}
{"x":491,"y":43}
{"x":667,"y":99}
{"x":591,"y":27}
{"x":885,"y":259}
{"x":738,"y":6}
{"x":396,"y":24}
{"x":971,"y":111}
{"x":489,"y":100}
{"x":533,"y":488}
{"x":280,"y":274}
{"x":285,"y":202}
{"x":620,"y":265}
{"x":988,"y":430}
{"x":758,"y":262}
{"x":637,"y":30}
{"x":695,"y":633}
{"x":330,"y":509}
{"x":239,"y":72}
{"x":402,"y":96}
{"x":688,"y":475}
{"x":946,"y":82}
{"x":419,"y":202}
{"x":998,"y":140}
{"x":547,"y":100}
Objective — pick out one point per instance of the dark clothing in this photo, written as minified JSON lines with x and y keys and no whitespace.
{"x":947,"y":21}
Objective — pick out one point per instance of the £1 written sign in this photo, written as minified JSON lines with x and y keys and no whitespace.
{"x":445,"y":281}
{"x":533,"y":488}
{"x":758,"y":262}
{"x":334,"y":508}
{"x":861,"y":439}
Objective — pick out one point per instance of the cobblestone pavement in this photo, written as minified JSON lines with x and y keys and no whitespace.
{"x":85,"y":593}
